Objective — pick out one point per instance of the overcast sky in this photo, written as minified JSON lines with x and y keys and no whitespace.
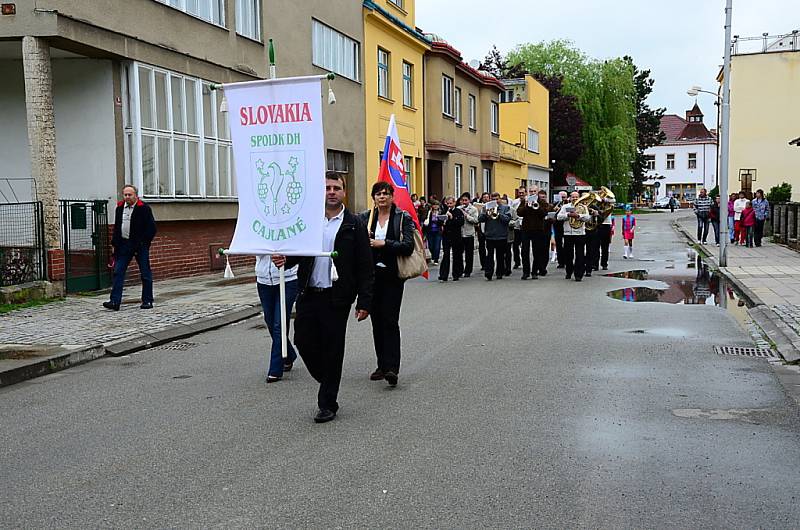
{"x":681,"y":41}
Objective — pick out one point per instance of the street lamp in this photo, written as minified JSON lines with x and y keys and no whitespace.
{"x":725,"y":133}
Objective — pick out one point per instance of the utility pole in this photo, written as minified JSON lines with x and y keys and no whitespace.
{"x":725,"y":139}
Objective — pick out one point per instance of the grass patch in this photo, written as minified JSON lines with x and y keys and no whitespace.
{"x":7,"y":308}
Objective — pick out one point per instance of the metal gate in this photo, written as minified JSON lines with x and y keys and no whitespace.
{"x":22,"y":252}
{"x":86,"y":247}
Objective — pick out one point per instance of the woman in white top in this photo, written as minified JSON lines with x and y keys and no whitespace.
{"x":267,"y":277}
{"x":738,"y":207}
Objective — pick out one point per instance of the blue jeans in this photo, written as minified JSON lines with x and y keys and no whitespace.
{"x":435,"y":244}
{"x":123,"y":254}
{"x":270,"y":297}
{"x":730,"y":228}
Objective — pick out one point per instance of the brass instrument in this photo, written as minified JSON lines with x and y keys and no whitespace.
{"x":581,"y":208}
{"x":603,"y":201}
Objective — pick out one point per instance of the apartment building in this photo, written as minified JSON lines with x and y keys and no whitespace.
{"x":393,"y":84}
{"x":100,"y":93}
{"x":462,"y":126}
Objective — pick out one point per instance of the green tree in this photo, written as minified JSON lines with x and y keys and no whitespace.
{"x":782,"y":193}
{"x":606,"y":98}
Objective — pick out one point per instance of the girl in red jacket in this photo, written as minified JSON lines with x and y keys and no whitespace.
{"x":748,"y":225}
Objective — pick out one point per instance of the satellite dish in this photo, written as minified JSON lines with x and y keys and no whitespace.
{"x":475,"y":63}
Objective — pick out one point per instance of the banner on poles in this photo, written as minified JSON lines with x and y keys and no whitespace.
{"x":279,"y":159}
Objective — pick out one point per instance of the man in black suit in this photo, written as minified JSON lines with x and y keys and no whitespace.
{"x":134,"y":230}
{"x":324,"y":301}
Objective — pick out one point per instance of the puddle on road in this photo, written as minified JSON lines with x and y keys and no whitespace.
{"x":700,"y":287}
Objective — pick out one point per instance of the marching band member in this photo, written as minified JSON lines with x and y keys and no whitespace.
{"x":558,"y":230}
{"x":535,"y":234}
{"x":517,"y":222}
{"x":495,"y":218}
{"x":606,"y":232}
{"x":451,"y":241}
{"x":574,"y":237}
{"x":468,"y":232}
{"x":592,"y":245}
{"x":485,"y":197}
{"x":511,"y":236}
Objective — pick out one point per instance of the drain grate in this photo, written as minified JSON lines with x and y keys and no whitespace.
{"x":177,"y":346}
{"x":746,"y":352}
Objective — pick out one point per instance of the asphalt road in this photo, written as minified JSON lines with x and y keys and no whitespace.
{"x":521,"y":405}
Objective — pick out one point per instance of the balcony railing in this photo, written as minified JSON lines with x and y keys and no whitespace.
{"x":766,"y":43}
{"x":513,"y":153}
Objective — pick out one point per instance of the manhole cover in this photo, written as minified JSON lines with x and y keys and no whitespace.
{"x":746,"y":352}
{"x":177,"y":346}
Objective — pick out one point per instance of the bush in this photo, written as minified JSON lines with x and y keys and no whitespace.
{"x":782,"y":193}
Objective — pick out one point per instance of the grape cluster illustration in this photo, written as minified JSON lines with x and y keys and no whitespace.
{"x":294,"y":189}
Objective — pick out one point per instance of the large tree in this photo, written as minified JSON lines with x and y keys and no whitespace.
{"x":605,"y":95}
{"x":648,"y":130}
{"x":566,"y":122}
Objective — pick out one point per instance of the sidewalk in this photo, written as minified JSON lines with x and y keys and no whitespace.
{"x":47,"y":338}
{"x":769,"y":276}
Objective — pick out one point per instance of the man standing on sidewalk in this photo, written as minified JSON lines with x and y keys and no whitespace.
{"x":134,"y":230}
{"x":702,"y":207}
{"x":324,"y":298}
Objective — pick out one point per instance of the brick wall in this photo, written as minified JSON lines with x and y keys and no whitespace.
{"x":55,"y":265}
{"x":181,"y":249}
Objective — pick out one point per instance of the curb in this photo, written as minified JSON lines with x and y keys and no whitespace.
{"x":62,"y":361}
{"x":787,"y":342}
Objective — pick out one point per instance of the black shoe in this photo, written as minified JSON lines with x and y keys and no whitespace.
{"x":377,"y":375}
{"x":516,"y":266}
{"x":542,"y":273}
{"x":525,"y":277}
{"x":324,"y":415}
{"x":605,"y":267}
{"x":560,"y":267}
{"x":456,"y":279}
{"x":488,"y":278}
{"x":578,"y":279}
{"x":391,"y":378}
{"x":499,"y":277}
{"x":287,"y":366}
{"x":568,"y":277}
{"x":146,"y":305}
{"x":110,"y":305}
{"x":273,"y":379}
{"x":588,"y":274}
{"x":466,"y":276}
{"x":534,"y":277}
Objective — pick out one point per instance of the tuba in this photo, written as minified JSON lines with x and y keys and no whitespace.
{"x":603,"y":201}
{"x":581,"y":208}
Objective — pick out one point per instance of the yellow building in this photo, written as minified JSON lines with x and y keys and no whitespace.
{"x":765,"y":113}
{"x":524,"y":136}
{"x":393,"y":76}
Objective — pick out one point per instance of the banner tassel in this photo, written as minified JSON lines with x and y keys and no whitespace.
{"x":228,"y":271}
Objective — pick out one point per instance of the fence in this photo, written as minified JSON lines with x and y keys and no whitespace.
{"x":84,"y":235}
{"x":22,"y":253}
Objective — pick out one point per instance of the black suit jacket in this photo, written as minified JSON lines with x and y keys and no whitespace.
{"x":353,"y":264}
{"x":143,"y":225}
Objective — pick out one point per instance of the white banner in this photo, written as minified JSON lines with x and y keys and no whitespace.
{"x":279,"y":158}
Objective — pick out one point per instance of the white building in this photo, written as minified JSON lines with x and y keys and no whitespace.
{"x":685,"y":162}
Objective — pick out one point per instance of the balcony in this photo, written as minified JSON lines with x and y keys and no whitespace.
{"x":513,"y":153}
{"x":766,"y":43}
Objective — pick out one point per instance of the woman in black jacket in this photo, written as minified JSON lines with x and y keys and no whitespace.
{"x":391,"y":233}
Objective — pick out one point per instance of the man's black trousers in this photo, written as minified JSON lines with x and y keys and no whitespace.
{"x":536,"y":245}
{"x":495,"y":256}
{"x":319,"y":336}
{"x":574,"y":257}
{"x":592,"y":250}
{"x":605,"y":243}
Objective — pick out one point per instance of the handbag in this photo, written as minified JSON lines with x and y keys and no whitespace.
{"x":414,"y":265}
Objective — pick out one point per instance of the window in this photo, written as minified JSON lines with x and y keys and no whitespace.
{"x":457,"y":105}
{"x":447,"y":96}
{"x":339,"y":161}
{"x":383,"y":73}
{"x":408,"y":164}
{"x":178,"y":142}
{"x":248,"y":18}
{"x":457,"y":187}
{"x":209,"y":10}
{"x":334,"y":52}
{"x":495,"y":114}
{"x":471,"y":111}
{"x":398,"y":3}
{"x":487,"y":180}
{"x":533,"y":141}
{"x":692,"y":160}
{"x":651,"y":162}
{"x":408,"y":84}
{"x":671,"y":161}
{"x":473,"y":180}
{"x":506,"y":96}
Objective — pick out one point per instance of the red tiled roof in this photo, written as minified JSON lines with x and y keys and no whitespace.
{"x":677,"y":130}
{"x":672,"y":125}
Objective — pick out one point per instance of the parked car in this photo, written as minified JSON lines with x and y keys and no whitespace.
{"x":663,"y":202}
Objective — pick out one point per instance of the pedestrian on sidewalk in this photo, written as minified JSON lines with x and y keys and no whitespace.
{"x":451,"y":241}
{"x":748,"y":225}
{"x":268,"y":284}
{"x":433,"y":232}
{"x":324,"y":299}
{"x":702,"y":205}
{"x":134,"y":230}
{"x":761,"y":207}
{"x":391,"y":235}
{"x":628,"y":230}
{"x":738,"y":207}
{"x":732,"y":217}
{"x":468,"y":232}
{"x":713,"y":216}
{"x":495,"y":218}
{"x":672,"y":203}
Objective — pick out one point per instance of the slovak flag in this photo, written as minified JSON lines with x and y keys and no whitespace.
{"x":393,"y":171}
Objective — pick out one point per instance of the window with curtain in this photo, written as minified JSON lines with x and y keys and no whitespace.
{"x":248,"y":18}
{"x":335,"y":51}
{"x":212,"y":11}
{"x":383,"y":73}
